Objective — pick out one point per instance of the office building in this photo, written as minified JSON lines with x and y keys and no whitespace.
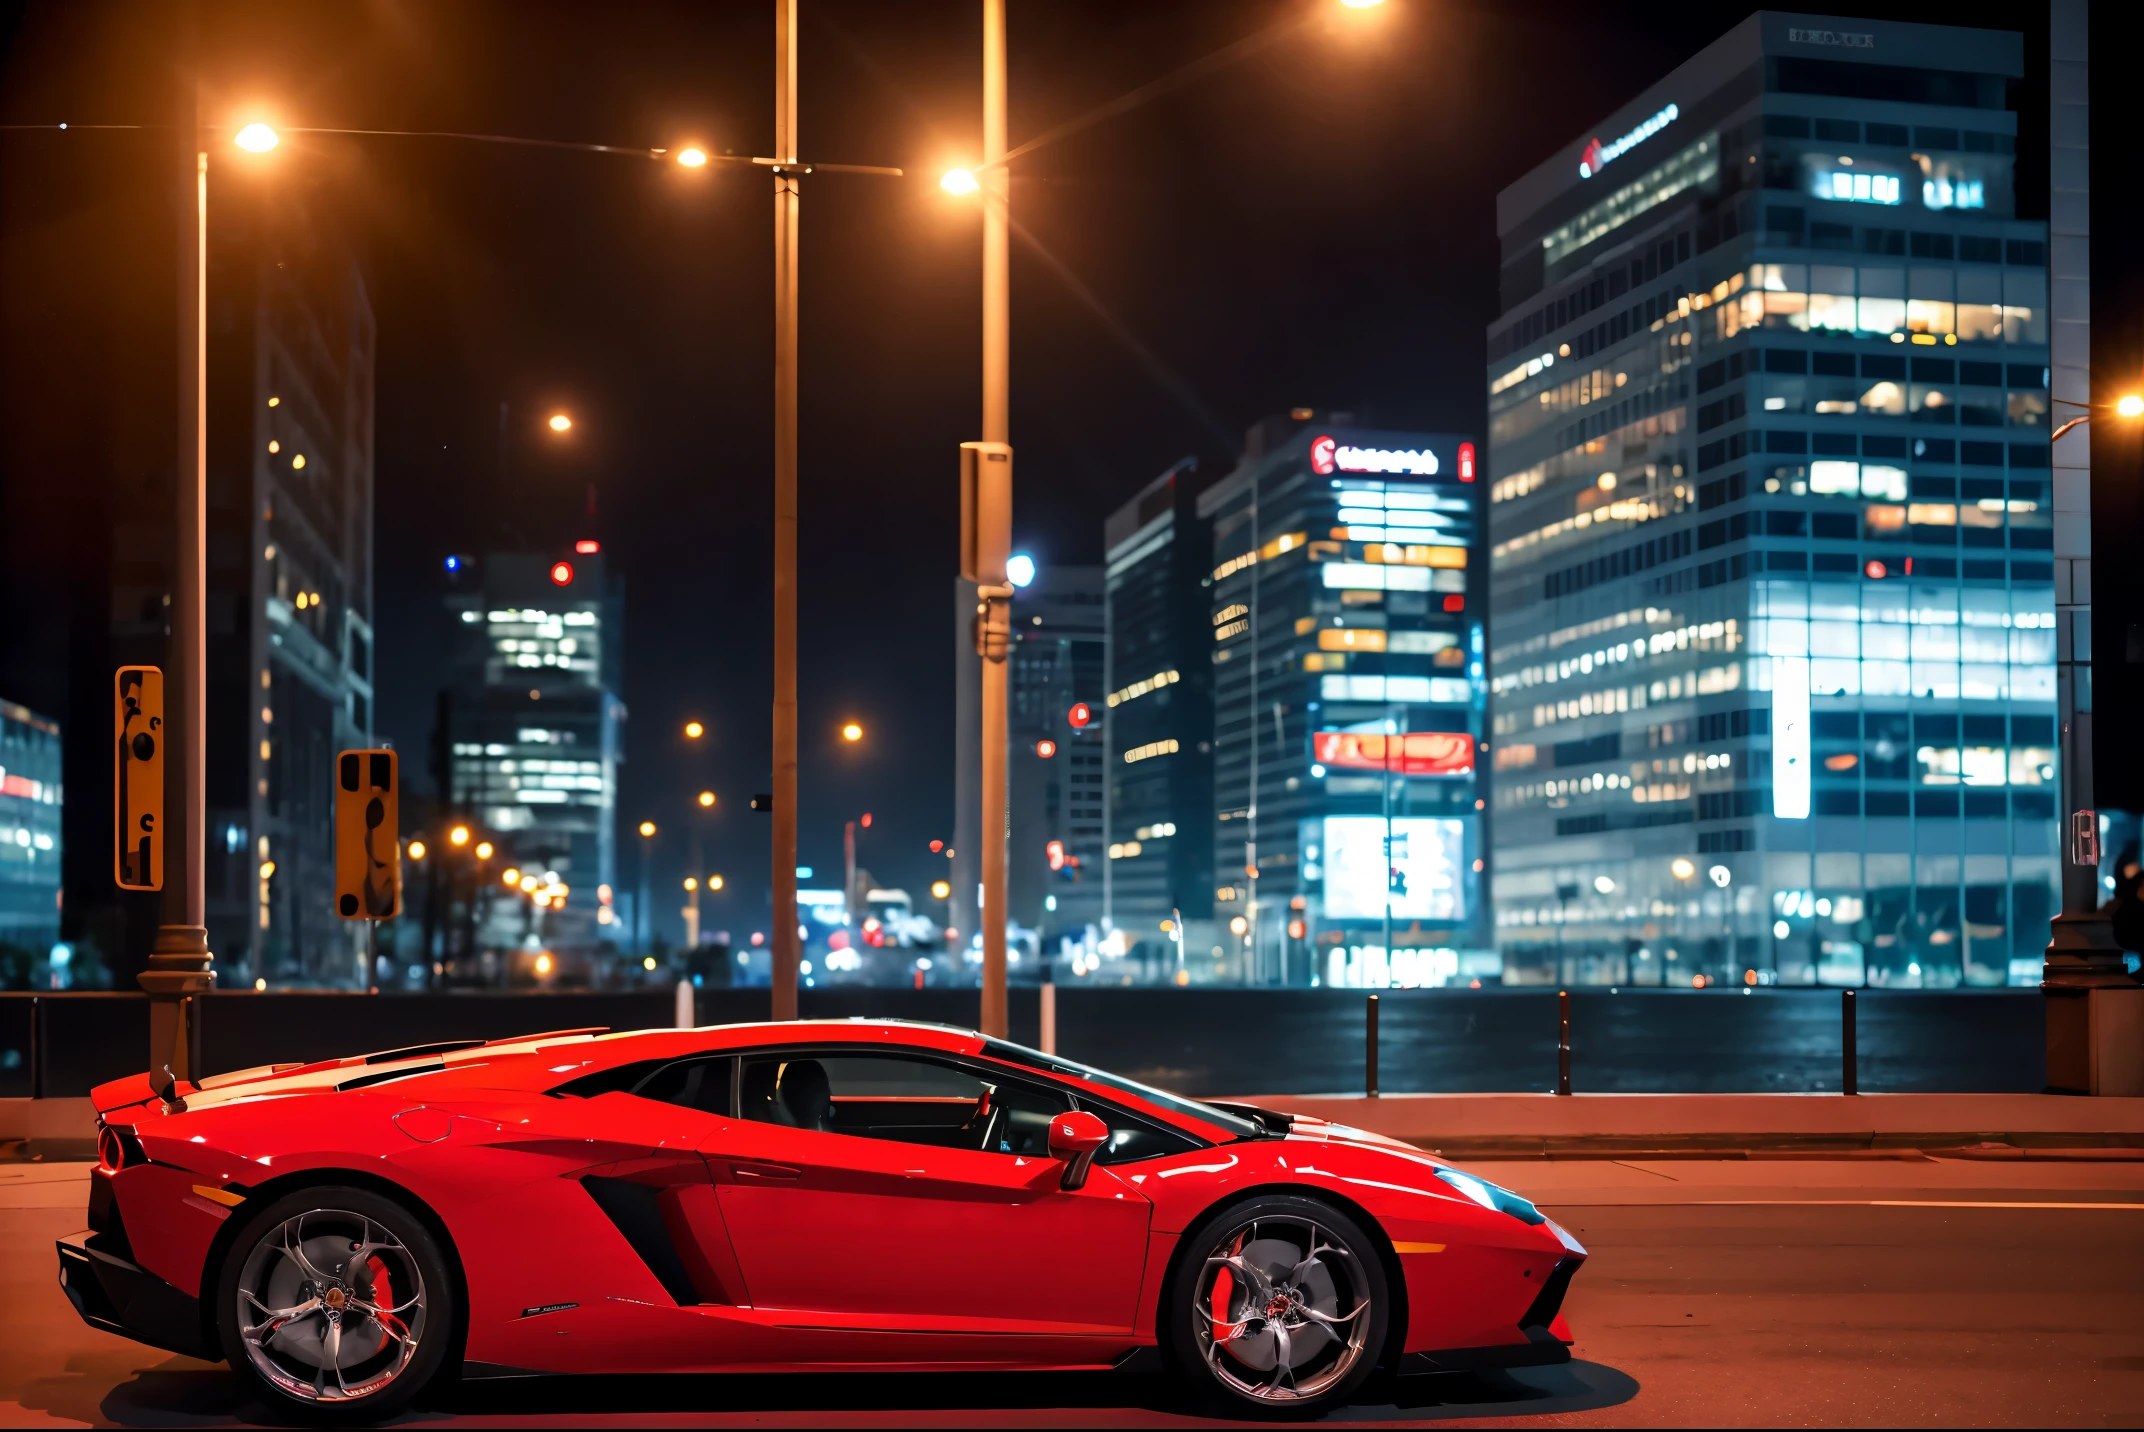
{"x":1348,"y":700}
{"x":1773,"y":658}
{"x":533,"y":725}
{"x":30,"y":804}
{"x":1159,"y":677}
{"x":290,"y":637}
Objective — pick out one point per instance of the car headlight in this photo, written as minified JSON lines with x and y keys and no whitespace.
{"x":1488,"y":1195}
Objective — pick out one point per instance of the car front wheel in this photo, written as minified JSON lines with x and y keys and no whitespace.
{"x":1278,"y":1303}
{"x":336,"y":1303}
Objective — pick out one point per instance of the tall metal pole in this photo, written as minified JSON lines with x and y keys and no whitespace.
{"x":997,"y":328}
{"x":785,"y":947}
{"x":180,"y":965}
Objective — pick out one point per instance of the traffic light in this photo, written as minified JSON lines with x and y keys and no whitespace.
{"x":138,"y":778}
{"x":368,"y":860}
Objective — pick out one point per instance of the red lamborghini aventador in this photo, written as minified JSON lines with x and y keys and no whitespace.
{"x":776,"y":1196}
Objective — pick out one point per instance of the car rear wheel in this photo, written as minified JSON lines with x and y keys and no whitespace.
{"x":1278,"y":1303}
{"x":336,"y":1304}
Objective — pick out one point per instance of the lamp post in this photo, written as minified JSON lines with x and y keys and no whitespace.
{"x":180,"y":964}
{"x":640,"y":905}
{"x":2082,"y":951}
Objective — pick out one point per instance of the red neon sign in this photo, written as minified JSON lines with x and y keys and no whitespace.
{"x":1322,"y":452}
{"x":587,"y":547}
{"x":562,"y":574}
{"x":1417,"y":753}
{"x":1056,"y":852}
{"x":1466,"y":462}
{"x":1079,"y":715}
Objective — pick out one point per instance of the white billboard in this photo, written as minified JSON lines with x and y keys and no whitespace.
{"x":1421,"y":875}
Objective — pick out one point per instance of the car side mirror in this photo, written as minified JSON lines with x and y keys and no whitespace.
{"x":1075,"y":1138}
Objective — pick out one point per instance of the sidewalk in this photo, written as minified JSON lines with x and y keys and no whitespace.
{"x":1982,"y":1126}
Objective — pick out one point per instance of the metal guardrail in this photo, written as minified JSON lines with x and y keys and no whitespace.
{"x":1203,"y":1042}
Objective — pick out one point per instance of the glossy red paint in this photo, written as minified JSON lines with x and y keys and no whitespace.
{"x":785,"y":1246}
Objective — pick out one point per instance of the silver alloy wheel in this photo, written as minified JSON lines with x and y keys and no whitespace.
{"x":330,"y":1306}
{"x":1280,"y":1308}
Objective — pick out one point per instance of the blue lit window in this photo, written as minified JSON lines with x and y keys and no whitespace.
{"x":1859,"y":187}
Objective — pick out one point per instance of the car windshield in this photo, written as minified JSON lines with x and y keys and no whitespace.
{"x":1236,"y":1124}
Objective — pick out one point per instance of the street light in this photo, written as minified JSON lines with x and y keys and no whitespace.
{"x":694,"y":730}
{"x":256,"y":138}
{"x":458,"y":836}
{"x":647,"y":828}
{"x":691,"y":157}
{"x":959,"y":181}
{"x":707,"y":798}
{"x":483,"y":850}
{"x":1019,"y":569}
{"x":416,"y":850}
{"x":852,"y":732}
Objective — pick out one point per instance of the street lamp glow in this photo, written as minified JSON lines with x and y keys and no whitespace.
{"x":959,"y":181}
{"x":2130,"y":405}
{"x":416,"y":850}
{"x":714,"y":882}
{"x":941,"y":890}
{"x":1019,"y":569}
{"x":560,"y":423}
{"x":694,"y":730}
{"x":1360,"y":4}
{"x":256,"y":138}
{"x":707,"y":798}
{"x":458,"y":836}
{"x":691,"y":158}
{"x":647,"y":828}
{"x":483,"y":850}
{"x":852,"y":732}
{"x":511,"y":877}
{"x":691,"y":884}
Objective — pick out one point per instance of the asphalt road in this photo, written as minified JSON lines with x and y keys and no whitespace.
{"x":1752,"y":1293}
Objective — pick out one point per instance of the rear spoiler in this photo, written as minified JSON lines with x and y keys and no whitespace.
{"x":127,"y":1092}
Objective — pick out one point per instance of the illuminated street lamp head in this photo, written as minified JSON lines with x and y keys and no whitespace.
{"x":959,"y":181}
{"x":256,"y":138}
{"x":691,"y":884}
{"x":707,"y":798}
{"x":941,"y":890}
{"x":647,"y":828}
{"x":458,"y":836}
{"x":483,"y":850}
{"x":694,"y":730}
{"x":2130,"y":405}
{"x":852,"y":732}
{"x":512,"y":877}
{"x":1019,"y":569}
{"x":714,"y":882}
{"x":559,"y":423}
{"x":416,"y":850}
{"x":692,"y":157}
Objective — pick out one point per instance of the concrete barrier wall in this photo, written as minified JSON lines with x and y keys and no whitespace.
{"x":1210,"y":1042}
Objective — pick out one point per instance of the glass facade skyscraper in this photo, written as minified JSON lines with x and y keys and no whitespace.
{"x":30,"y":795}
{"x":1347,"y":699}
{"x":1773,"y":661}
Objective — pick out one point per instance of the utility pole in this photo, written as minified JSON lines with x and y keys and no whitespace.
{"x":994,"y":632}
{"x":180,"y":965}
{"x":786,"y":173}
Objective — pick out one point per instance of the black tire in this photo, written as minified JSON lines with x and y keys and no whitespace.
{"x":1329,"y":1336}
{"x":299,"y":1248}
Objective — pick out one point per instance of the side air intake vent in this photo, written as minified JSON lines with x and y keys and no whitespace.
{"x":633,"y":1208}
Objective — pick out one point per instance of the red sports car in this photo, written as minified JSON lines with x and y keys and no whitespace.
{"x":865,"y":1194}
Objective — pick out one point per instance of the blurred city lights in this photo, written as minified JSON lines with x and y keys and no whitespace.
{"x":648,"y":963}
{"x":959,"y":181}
{"x":707,"y":798}
{"x":852,"y":732}
{"x":691,"y":884}
{"x":694,"y":730}
{"x":416,"y":850}
{"x":647,"y":827}
{"x":562,"y":574}
{"x":543,"y":964}
{"x":483,"y":850}
{"x":941,"y":890}
{"x":256,"y":138}
{"x":691,"y":158}
{"x":1045,"y":749}
{"x":560,"y":423}
{"x":511,"y":877}
{"x":1019,"y":569}
{"x":714,"y":882}
{"x":2130,"y":405}
{"x":458,"y":836}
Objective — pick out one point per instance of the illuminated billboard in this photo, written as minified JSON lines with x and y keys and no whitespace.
{"x":1416,"y":753}
{"x":1420,"y":876}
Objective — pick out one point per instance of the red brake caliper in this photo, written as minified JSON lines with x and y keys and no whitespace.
{"x":1224,"y":1286}
{"x":383,"y":1296}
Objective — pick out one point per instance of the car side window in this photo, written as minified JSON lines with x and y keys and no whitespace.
{"x":702,"y":1084}
{"x":1131,"y":1140}
{"x":908,"y":1100}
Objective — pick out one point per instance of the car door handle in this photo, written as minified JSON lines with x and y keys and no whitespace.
{"x":765,"y":1171}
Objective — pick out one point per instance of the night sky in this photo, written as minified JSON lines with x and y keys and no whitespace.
{"x":1312,"y":226}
